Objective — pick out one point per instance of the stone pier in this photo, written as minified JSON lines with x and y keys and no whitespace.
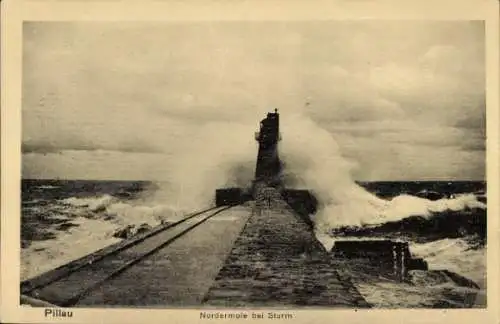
{"x":277,"y":262}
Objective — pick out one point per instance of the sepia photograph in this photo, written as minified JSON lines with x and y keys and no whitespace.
{"x":334,"y":164}
{"x":248,"y":165}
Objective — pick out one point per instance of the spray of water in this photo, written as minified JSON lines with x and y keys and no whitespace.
{"x":312,"y":155}
{"x":215,"y":155}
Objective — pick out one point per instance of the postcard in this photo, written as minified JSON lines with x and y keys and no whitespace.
{"x":249,"y":161}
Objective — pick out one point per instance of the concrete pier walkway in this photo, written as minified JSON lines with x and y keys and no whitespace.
{"x":278,"y":262}
{"x":181,"y":273}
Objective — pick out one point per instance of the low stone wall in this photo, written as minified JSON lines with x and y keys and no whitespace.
{"x":277,"y":261}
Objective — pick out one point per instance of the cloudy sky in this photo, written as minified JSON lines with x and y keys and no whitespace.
{"x":403,"y":100}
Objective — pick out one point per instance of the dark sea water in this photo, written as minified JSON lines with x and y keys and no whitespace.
{"x":445,"y":222}
{"x":48,"y":206}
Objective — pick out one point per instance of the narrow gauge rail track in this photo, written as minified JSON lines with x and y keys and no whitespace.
{"x":66,"y":285}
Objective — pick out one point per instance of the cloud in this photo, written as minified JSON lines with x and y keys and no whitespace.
{"x":99,"y":164}
{"x":28,"y":147}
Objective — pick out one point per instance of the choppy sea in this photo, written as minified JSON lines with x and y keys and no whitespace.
{"x":65,"y":219}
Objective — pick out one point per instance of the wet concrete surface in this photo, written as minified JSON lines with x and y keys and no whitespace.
{"x":181,"y":273}
{"x":278,"y":262}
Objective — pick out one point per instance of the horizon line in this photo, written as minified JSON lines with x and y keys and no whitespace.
{"x":150,"y":180}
